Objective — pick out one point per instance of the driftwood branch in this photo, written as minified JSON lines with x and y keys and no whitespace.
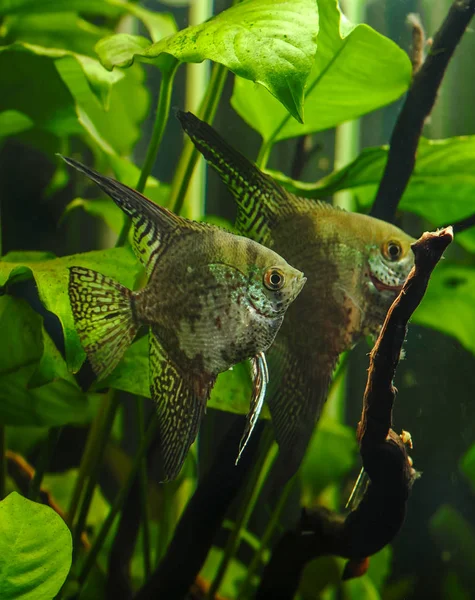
{"x":417,"y":107}
{"x":379,"y":516}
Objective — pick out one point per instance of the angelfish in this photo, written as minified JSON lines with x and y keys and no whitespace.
{"x":355,"y":265}
{"x":213,"y":299}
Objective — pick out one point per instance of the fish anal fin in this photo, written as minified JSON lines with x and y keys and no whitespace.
{"x":181,"y":402}
{"x":103,"y":316}
{"x":295,"y":404}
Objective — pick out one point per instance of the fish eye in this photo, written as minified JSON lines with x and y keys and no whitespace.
{"x":274,"y":279}
{"x":392,"y":250}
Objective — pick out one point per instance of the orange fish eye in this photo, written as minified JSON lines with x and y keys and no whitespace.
{"x":392,"y":250}
{"x":274,"y":279}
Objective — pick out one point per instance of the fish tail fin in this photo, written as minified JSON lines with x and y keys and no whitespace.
{"x":104,"y":317}
{"x":259,"y":197}
{"x":181,"y":402}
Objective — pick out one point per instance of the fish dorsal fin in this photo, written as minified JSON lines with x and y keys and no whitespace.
{"x":153,"y":225}
{"x":181,"y":402}
{"x":260,"y":199}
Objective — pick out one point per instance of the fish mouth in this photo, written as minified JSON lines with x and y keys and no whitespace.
{"x":381,"y":287}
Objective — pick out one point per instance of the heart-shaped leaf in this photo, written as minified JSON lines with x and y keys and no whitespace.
{"x":271,"y":42}
{"x":355,"y":71}
{"x":35,"y":550}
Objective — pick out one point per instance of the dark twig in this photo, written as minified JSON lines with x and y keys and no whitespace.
{"x":464,"y":224}
{"x":379,"y":516}
{"x":417,"y":107}
{"x":202,"y":518}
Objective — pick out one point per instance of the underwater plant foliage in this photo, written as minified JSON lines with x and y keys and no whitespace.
{"x":80,"y":500}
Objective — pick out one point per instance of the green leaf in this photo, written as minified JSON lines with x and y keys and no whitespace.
{"x":451,"y":293}
{"x":93,"y":7}
{"x":12,"y":121}
{"x":36,"y":388}
{"x":441,"y":187}
{"x":455,"y":536}
{"x":102,"y":208}
{"x":271,"y":42}
{"x":63,"y":30}
{"x":51,"y":277}
{"x":330,"y":456}
{"x":35,"y":550}
{"x":356,"y":70}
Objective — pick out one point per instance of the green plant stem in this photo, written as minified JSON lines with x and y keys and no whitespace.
{"x":189,"y":155}
{"x":100,"y":443}
{"x":3,"y":461}
{"x":44,"y":461}
{"x":166,"y":525}
{"x":147,"y":561}
{"x":257,"y":478}
{"x":265,"y":539}
{"x":264,"y":153}
{"x":119,"y":501}
{"x":161,"y":119}
{"x":87,"y":460}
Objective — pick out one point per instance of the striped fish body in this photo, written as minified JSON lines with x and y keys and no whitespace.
{"x":355,"y":266}
{"x":212,"y":300}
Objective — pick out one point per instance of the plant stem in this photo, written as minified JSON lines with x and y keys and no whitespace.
{"x":119,"y":500}
{"x":147,"y":562}
{"x":190,"y":155}
{"x":264,"y":153}
{"x":197,"y":79}
{"x":161,"y":119}
{"x":100,"y":443}
{"x":265,"y":539}
{"x":257,"y":478}
{"x":87,"y":461}
{"x":43,"y":462}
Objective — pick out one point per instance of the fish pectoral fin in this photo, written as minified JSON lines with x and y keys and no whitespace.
{"x":181,"y":403}
{"x":260,"y":377}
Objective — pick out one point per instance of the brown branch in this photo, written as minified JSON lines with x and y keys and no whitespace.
{"x":418,"y":41}
{"x":417,"y":107}
{"x":379,"y":516}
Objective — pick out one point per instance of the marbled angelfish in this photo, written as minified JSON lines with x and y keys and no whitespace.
{"x":212,"y":300}
{"x":355,"y":266}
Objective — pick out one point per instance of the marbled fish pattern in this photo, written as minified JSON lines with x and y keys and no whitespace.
{"x":355,"y":266}
{"x":212,"y":300}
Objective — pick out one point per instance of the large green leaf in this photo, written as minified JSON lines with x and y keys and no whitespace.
{"x":158,"y":24}
{"x":451,"y":293}
{"x":63,"y":30}
{"x":271,"y":42}
{"x":51,"y":277}
{"x":441,"y":188}
{"x":35,"y":550}
{"x":36,"y":388}
{"x":12,"y":122}
{"x":355,"y":71}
